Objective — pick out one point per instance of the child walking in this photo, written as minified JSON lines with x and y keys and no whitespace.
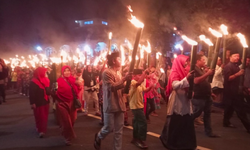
{"x":136,"y":105}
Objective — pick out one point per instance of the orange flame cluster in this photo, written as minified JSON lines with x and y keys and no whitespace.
{"x":134,"y":20}
{"x":188,"y":40}
{"x":242,"y":40}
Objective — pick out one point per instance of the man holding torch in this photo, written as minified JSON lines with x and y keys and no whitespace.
{"x":202,"y":101}
{"x":113,"y":104}
{"x":232,"y":100}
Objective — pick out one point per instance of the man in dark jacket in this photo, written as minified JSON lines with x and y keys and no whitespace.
{"x":233,"y":101}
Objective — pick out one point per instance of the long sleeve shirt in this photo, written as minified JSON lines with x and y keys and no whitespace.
{"x":178,"y":101}
{"x":36,"y":95}
{"x":218,"y":79}
{"x":112,"y":91}
{"x":230,"y":87}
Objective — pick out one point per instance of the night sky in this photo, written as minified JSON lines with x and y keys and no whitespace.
{"x":25,"y":23}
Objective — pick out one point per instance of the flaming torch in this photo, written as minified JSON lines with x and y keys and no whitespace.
{"x":244,"y":54}
{"x":216,"y":52}
{"x":140,"y":26}
{"x":148,"y":50}
{"x":109,"y":46}
{"x":225,"y":33}
{"x":193,"y":62}
{"x":210,"y":48}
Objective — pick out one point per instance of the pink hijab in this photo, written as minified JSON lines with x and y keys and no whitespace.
{"x":178,"y":72}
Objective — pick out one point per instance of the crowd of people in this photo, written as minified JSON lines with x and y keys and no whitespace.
{"x":150,"y":87}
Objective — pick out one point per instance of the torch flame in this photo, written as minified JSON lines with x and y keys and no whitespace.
{"x":136,"y":22}
{"x":122,"y":55}
{"x":215,"y":33}
{"x":207,"y":41}
{"x":190,"y":41}
{"x":242,"y":40}
{"x":162,"y":70}
{"x":110,"y":35}
{"x":148,"y":48}
{"x":129,"y":8}
{"x":158,"y":54}
{"x":224,"y":29}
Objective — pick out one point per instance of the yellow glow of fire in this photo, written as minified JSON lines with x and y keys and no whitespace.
{"x":122,"y":55}
{"x":242,"y":40}
{"x":110,"y":35}
{"x":224,"y":29}
{"x":162,"y":70}
{"x":129,"y":8}
{"x":215,"y":33}
{"x":188,"y":40}
{"x":207,"y":41}
{"x":158,"y":54}
{"x":148,"y":48}
{"x":136,"y":22}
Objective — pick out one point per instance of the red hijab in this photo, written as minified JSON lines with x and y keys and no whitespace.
{"x":64,"y":91}
{"x":41,"y":80}
{"x":178,"y":72}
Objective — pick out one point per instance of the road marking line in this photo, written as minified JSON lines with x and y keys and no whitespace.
{"x":149,"y":133}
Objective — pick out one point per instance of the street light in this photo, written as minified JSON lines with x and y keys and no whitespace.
{"x":39,"y":48}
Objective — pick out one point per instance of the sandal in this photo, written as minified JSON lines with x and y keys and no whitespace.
{"x":97,"y":143}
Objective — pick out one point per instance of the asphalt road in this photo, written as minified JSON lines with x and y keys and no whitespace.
{"x":17,"y":131}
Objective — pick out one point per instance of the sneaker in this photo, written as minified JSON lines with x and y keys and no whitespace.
{"x":141,"y":144}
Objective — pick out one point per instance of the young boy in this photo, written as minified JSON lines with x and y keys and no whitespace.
{"x":136,"y":105}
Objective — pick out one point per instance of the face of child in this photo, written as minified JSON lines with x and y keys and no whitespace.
{"x":137,"y":77}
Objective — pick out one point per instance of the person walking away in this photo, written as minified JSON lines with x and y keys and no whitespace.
{"x":66,"y":112}
{"x":79,"y":79}
{"x":39,"y":99}
{"x":136,"y":105}
{"x":90,"y":90}
{"x":232,"y":100}
{"x":113,"y":105}
{"x":178,"y":132}
{"x":217,"y":83}
{"x":202,"y":101}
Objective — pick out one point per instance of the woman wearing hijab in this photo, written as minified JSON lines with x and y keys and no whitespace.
{"x":39,"y":99}
{"x":178,"y":132}
{"x":65,"y":108}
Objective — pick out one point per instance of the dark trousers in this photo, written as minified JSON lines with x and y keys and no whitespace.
{"x":150,"y":107}
{"x":2,"y":92}
{"x":139,"y":125}
{"x":203,"y":105}
{"x":237,"y":105}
